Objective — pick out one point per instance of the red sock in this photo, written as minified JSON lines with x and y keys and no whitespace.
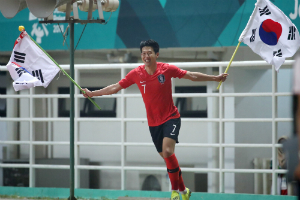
{"x":173,"y":170}
{"x":181,"y":185}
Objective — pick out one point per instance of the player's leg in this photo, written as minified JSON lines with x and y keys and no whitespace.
{"x":175,"y":194}
{"x":181,"y":185}
{"x":157,"y":134}
{"x":171,"y":132}
{"x":168,"y":147}
{"x":172,"y":165}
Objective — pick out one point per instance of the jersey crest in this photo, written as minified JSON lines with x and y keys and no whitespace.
{"x":161,"y":78}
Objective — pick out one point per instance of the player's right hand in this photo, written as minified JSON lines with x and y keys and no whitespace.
{"x":87,"y":93}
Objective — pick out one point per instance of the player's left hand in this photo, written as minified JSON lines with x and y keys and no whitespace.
{"x":221,"y":77}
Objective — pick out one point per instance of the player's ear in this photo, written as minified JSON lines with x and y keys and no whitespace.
{"x":157,"y":54}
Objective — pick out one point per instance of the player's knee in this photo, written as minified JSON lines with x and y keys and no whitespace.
{"x":167,"y":152}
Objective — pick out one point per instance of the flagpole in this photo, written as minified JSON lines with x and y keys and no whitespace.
{"x":220,"y":83}
{"x":21,"y":28}
{"x":72,"y":108}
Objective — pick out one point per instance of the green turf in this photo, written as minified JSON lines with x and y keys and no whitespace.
{"x":48,"y":198}
{"x":99,"y":194}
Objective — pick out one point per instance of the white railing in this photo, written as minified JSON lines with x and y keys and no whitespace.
{"x":221,"y":170}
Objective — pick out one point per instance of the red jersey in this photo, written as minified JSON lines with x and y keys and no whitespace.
{"x":156,"y":91}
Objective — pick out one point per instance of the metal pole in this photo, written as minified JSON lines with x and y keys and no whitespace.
{"x":221,"y":138}
{"x":72,"y":197}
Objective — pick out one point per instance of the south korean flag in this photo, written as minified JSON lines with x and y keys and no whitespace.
{"x":22,"y":78}
{"x":271,"y":34}
{"x":30,"y":63}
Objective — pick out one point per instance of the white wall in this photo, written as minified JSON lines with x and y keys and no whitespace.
{"x":240,"y":80}
{"x":257,"y":80}
{"x":11,"y":127}
{"x":39,"y":109}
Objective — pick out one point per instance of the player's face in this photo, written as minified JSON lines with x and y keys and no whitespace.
{"x":148,"y":56}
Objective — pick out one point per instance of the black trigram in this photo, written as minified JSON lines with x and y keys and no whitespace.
{"x":277,"y":53}
{"x":20,"y":83}
{"x":252,"y":38}
{"x":20,"y":71}
{"x":292,"y":33}
{"x":19,"y":57}
{"x":264,"y":11}
{"x":38,"y":74}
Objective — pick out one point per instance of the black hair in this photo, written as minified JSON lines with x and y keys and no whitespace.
{"x":150,"y":43}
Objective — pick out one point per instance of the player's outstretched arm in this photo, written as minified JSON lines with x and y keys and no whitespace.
{"x":111,"y":89}
{"x":197,"y":76}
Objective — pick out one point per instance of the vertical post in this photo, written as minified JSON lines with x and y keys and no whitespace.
{"x":72,"y":113}
{"x":123,"y":151}
{"x":49,"y":124}
{"x":76,"y":134}
{"x":221,"y":140}
{"x":31,"y":146}
{"x":213,"y":136}
{"x":274,"y":132}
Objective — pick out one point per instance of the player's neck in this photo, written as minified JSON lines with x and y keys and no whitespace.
{"x":150,"y":69}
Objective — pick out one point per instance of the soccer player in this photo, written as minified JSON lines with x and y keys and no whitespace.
{"x":154,"y":82}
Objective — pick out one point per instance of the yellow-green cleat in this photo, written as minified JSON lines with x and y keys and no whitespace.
{"x":187,"y":195}
{"x":175,"y":195}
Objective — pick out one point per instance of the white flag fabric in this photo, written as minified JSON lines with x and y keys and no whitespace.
{"x":271,"y":34}
{"x":30,"y":64}
{"x":22,"y":78}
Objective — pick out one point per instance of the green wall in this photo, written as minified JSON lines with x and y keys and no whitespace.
{"x":194,"y":23}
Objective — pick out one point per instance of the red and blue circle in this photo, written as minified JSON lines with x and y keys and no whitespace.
{"x":270,"y":32}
